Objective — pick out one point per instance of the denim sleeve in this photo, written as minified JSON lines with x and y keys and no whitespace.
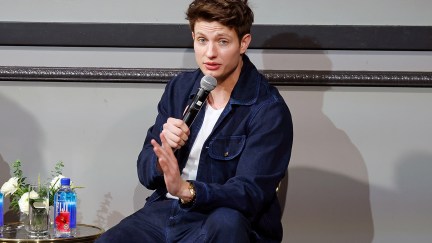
{"x":171,"y":104}
{"x":148,"y":174}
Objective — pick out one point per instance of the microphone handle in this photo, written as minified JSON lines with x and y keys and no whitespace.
{"x":195,"y":106}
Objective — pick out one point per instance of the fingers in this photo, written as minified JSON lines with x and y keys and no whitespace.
{"x":176,"y":132}
{"x":178,"y":127}
{"x":160,"y":150}
{"x":167,"y":149}
{"x":168,"y":164}
{"x":164,"y":152}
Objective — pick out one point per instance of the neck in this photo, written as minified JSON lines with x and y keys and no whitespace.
{"x":218,"y":99}
{"x":220,"y":96}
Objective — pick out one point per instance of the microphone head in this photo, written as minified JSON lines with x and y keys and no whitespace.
{"x":208,"y":83}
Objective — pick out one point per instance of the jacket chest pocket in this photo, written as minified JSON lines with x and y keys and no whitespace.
{"x":226,"y":148}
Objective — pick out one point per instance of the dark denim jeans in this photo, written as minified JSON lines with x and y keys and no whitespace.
{"x":166,"y":221}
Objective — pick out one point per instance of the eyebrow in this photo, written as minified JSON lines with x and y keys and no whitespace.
{"x":217,"y":35}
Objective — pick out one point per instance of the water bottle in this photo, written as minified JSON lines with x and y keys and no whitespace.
{"x":65,"y":201}
{"x":1,"y":213}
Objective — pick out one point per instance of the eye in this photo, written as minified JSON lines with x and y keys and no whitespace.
{"x":201,"y":40}
{"x":223,"y":42}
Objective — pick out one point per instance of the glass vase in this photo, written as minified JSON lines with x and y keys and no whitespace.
{"x":37,"y":223}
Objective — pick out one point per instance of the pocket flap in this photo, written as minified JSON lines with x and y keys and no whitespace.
{"x":226,"y":148}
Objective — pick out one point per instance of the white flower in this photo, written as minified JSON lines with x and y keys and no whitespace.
{"x":55,"y":182}
{"x":10,"y":186}
{"x":24,"y":201}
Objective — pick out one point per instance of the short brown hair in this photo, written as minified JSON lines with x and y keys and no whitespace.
{"x":234,"y":14}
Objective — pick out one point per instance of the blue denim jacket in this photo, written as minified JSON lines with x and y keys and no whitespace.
{"x":243,"y":159}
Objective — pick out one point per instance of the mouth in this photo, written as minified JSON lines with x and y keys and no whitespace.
{"x":212,"y":65}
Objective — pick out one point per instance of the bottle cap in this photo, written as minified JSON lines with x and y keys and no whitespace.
{"x":65,"y":181}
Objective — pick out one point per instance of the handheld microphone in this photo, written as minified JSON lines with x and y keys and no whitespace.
{"x":208,"y":83}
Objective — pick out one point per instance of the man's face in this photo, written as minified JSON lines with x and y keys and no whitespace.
{"x":218,"y":50}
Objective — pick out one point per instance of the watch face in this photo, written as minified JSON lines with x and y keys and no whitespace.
{"x":192,"y":192}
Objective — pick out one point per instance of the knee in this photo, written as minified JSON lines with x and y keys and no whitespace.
{"x":227,"y":221}
{"x":115,"y":234}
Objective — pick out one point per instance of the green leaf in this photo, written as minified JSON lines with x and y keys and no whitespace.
{"x":57,"y":169}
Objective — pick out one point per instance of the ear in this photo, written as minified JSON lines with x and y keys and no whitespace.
{"x":244,"y":43}
{"x":193,"y":35}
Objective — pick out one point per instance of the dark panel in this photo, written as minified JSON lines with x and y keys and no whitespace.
{"x":319,"y":37}
{"x":279,"y":78}
{"x":94,"y":34}
{"x":340,"y":37}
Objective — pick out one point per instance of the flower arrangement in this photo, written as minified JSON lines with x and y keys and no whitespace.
{"x":18,"y":189}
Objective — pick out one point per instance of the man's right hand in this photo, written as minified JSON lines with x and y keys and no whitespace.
{"x":176,"y":132}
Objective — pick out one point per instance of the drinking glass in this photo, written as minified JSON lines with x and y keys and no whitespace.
{"x":38,"y":213}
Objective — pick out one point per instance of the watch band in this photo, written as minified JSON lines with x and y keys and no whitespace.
{"x":192,"y":192}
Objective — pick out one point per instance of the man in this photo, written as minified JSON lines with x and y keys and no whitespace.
{"x":216,"y":180}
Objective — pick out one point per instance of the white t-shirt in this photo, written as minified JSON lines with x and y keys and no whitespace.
{"x":211,"y":116}
{"x":190,"y":170}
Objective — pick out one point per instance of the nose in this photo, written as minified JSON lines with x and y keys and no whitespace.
{"x":211,"y":51}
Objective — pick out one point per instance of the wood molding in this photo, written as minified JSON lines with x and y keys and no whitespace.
{"x":276,"y":77}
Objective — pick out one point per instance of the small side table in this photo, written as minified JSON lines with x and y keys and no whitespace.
{"x":16,"y":232}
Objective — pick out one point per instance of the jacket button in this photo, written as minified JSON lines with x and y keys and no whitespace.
{"x":226,"y":154}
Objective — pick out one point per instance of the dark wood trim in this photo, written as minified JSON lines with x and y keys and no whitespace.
{"x":142,"y":35}
{"x":278,"y":78}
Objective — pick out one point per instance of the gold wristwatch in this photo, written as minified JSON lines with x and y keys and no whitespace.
{"x":192,"y":192}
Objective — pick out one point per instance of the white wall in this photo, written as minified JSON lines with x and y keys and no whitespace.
{"x":345,"y":12}
{"x":184,"y":58}
{"x":360,"y":166}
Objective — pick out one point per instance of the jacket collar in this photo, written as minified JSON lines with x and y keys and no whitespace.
{"x":246,"y":89}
